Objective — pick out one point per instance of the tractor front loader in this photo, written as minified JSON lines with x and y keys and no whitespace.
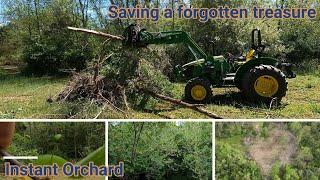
{"x":259,"y":78}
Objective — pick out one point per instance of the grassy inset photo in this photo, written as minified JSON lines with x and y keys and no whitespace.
{"x":181,"y":150}
{"x":267,"y":150}
{"x":78,"y":143}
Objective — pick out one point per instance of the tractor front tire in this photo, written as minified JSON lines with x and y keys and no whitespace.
{"x":198,"y":90}
{"x":264,"y":83}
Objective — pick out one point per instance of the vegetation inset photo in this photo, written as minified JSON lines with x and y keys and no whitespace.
{"x":267,"y":150}
{"x":181,"y":150}
{"x":69,"y":60}
{"x":60,"y":143}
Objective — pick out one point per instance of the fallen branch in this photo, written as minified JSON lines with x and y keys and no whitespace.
{"x":96,"y":33}
{"x":112,"y":105}
{"x":102,"y":109}
{"x":182,"y":103}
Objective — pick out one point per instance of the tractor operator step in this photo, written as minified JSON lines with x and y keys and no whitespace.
{"x":231,"y":75}
{"x":229,"y":79}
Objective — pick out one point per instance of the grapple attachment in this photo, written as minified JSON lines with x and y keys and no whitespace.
{"x":133,"y":36}
{"x":130,"y":35}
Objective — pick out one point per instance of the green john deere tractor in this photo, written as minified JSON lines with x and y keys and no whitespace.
{"x":259,"y":78}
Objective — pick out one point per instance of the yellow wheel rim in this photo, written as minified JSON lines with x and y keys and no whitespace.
{"x":198,"y":92}
{"x":266,"y":86}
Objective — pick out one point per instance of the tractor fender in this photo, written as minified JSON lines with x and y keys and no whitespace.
{"x":251,"y":64}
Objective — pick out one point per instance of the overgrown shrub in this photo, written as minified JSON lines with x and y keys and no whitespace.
{"x":48,"y":55}
{"x":162,"y":150}
{"x":232,"y":163}
{"x":135,"y":69}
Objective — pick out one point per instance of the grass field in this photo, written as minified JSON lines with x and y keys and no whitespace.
{"x":26,"y":97}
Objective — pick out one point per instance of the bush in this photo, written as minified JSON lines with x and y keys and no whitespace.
{"x":137,"y":68}
{"x":232,"y":164}
{"x":47,"y":56}
{"x":162,"y":150}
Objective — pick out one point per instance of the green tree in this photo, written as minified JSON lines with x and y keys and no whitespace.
{"x":162,"y":150}
{"x":233,"y":164}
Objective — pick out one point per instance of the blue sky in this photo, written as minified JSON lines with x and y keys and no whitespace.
{"x":1,"y":11}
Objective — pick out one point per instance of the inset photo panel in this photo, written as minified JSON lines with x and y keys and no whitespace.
{"x":55,"y":150}
{"x":265,"y":150}
{"x":162,"y":150}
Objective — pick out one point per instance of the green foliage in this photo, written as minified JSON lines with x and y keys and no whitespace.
{"x":276,"y":171}
{"x":43,"y":39}
{"x":224,"y":130}
{"x":9,"y":53}
{"x":37,"y":33}
{"x":22,"y":145}
{"x":307,"y":159}
{"x":286,"y":172}
{"x":303,"y":37}
{"x":304,"y":163}
{"x":48,"y":57}
{"x":137,"y":69}
{"x":233,"y":164}
{"x":264,"y":132}
{"x":295,"y":127}
{"x":97,"y":157}
{"x":73,"y":141}
{"x":162,"y":150}
{"x":290,"y":173}
{"x":49,"y":159}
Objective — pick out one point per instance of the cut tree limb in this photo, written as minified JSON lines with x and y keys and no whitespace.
{"x":182,"y":103}
{"x":96,"y":33}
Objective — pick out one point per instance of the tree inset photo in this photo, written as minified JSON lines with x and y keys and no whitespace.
{"x":162,"y":150}
{"x":267,"y":150}
{"x":77,"y":143}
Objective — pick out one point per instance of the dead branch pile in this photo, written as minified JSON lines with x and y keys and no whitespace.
{"x":87,"y":86}
{"x":80,"y":86}
{"x":111,"y":87}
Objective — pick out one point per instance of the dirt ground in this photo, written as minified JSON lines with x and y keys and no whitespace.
{"x":279,"y":146}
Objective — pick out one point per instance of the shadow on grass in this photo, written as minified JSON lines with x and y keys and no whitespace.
{"x":159,"y":111}
{"x":233,"y":98}
{"x":238,"y":100}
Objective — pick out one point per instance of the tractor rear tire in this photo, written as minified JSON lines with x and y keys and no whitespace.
{"x":198,"y":90}
{"x":264,"y":83}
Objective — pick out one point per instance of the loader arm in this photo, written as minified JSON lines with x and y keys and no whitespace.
{"x":173,"y":37}
{"x":141,"y":38}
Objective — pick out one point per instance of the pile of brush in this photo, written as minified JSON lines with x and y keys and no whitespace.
{"x":117,"y":80}
{"x":82,"y":86}
{"x":92,"y":86}
{"x":117,"y":72}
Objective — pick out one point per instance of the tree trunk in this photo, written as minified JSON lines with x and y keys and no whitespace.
{"x":6,"y":133}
